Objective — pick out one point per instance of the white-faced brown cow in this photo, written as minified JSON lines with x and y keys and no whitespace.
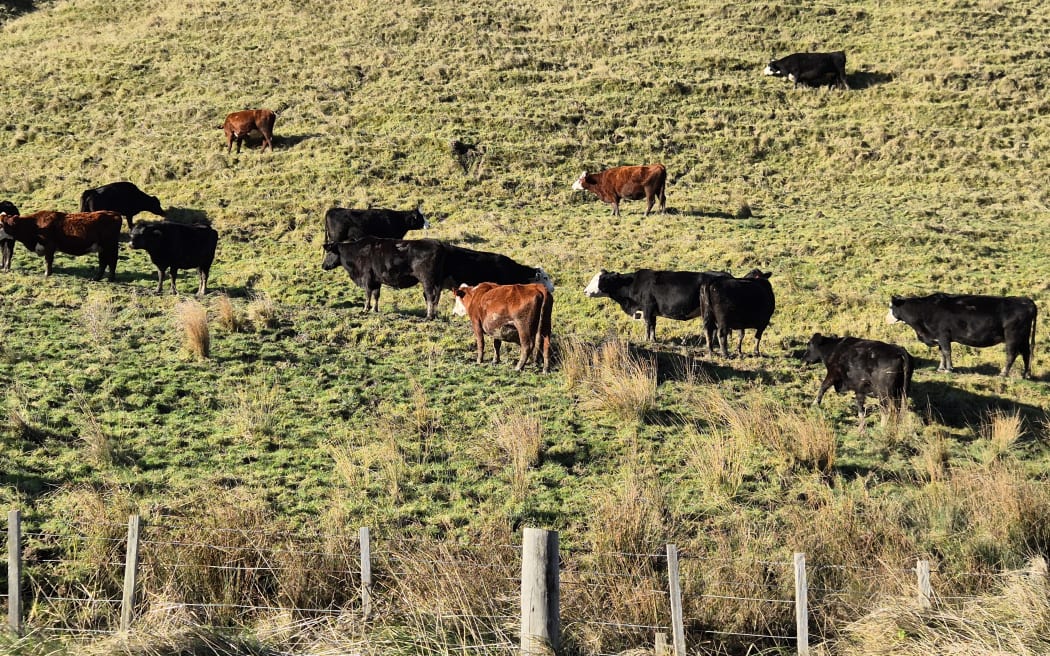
{"x":627,"y":183}
{"x":507,"y":312}
{"x":238,"y":125}
{"x":46,"y":233}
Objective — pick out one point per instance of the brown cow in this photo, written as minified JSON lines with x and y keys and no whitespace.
{"x":46,"y":233}
{"x":506,"y":312}
{"x":627,"y":183}
{"x":239,"y":124}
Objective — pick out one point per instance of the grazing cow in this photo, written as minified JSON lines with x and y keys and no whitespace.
{"x":737,"y":304}
{"x":811,"y":68}
{"x":342,"y":224}
{"x":863,"y":366}
{"x":520,"y":312}
{"x":401,"y":263}
{"x":647,"y":294}
{"x":238,"y":125}
{"x":940,"y":319}
{"x":46,"y":233}
{"x":627,"y":183}
{"x":173,"y":246}
{"x":124,"y":198}
{"x":7,"y":244}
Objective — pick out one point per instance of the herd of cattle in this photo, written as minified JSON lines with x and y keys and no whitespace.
{"x":509,"y":301}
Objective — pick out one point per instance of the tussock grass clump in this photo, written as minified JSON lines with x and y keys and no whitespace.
{"x":229,"y":318}
{"x":720,"y":460}
{"x":96,"y":315}
{"x":251,"y":411}
{"x":193,"y":319}
{"x":519,"y":437}
{"x":1002,"y":430}
{"x":98,"y":445}
{"x":617,"y":380}
{"x":262,"y":312}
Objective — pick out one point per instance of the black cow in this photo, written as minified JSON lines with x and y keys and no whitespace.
{"x":342,"y":224}
{"x":173,"y":246}
{"x":863,"y":366}
{"x":811,"y":68}
{"x":401,"y":263}
{"x":124,"y":198}
{"x":7,"y":243}
{"x":647,"y":294}
{"x":940,"y":319}
{"x":737,"y":304}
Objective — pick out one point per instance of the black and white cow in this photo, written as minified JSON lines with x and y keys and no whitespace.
{"x":864,"y":367}
{"x":940,"y":319}
{"x":811,"y":68}
{"x":737,"y":304}
{"x":123,"y":197}
{"x":173,"y":246}
{"x":7,"y":243}
{"x":343,"y":224}
{"x":647,"y":294}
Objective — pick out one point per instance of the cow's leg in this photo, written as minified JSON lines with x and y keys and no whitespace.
{"x":545,"y":345}
{"x":758,"y":340}
{"x":375,"y":297}
{"x":663,"y":200}
{"x":650,"y":325}
{"x":202,"y":276}
{"x":239,"y":140}
{"x":946,"y":354}
{"x":709,"y":331}
{"x":825,"y":385}
{"x":267,"y":140}
{"x":527,"y":341}
{"x":1026,"y":358}
{"x":497,"y":345}
{"x":479,"y":340}
{"x":650,"y":200}
{"x":616,"y":207}
{"x":740,"y":345}
{"x":174,"y":274}
{"x":723,"y":340}
{"x":49,"y":262}
{"x":1011,"y":355}
{"x":6,"y":251}
{"x":161,"y":274}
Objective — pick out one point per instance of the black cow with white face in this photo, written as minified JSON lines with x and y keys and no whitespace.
{"x":7,"y":243}
{"x":865,"y":367}
{"x":647,"y":294}
{"x":173,"y":246}
{"x":974,"y":320}
{"x":811,"y":68}
{"x":344,"y":224}
{"x":123,"y":197}
{"x":737,"y":304}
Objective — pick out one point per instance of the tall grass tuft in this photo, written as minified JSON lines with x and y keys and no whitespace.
{"x":227,"y":314}
{"x":252,"y":411}
{"x":98,"y":445}
{"x":1002,"y":430}
{"x":520,"y":439}
{"x":96,"y":315}
{"x":720,"y":461}
{"x":193,"y":319}
{"x":262,"y":312}
{"x":615,"y":379}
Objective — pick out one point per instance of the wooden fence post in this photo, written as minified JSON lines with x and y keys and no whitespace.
{"x":801,"y":604}
{"x":660,"y":648}
{"x":14,"y":571}
{"x":366,"y":573}
{"x":131,"y":568}
{"x":922,"y":573}
{"x":540,"y":594}
{"x":675,"y":590}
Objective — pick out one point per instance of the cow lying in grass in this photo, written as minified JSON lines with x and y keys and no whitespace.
{"x":509,"y":312}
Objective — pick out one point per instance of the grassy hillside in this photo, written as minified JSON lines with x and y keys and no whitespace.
{"x":928,"y":175}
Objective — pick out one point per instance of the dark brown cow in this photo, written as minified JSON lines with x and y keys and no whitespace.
{"x":627,"y":183}
{"x":46,"y":233}
{"x":506,"y":312}
{"x":239,"y":124}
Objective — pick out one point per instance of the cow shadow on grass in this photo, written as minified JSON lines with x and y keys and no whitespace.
{"x":959,"y":408}
{"x":285,"y":142}
{"x":868,"y":79}
{"x":187,"y":216}
{"x":701,"y":213}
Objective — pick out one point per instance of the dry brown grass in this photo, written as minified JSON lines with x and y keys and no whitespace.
{"x":228,"y":316}
{"x":1002,"y":430}
{"x":98,"y":445}
{"x":251,"y":411}
{"x":262,"y":312}
{"x":97,"y":315}
{"x":614,"y":379}
{"x":720,"y":461}
{"x":193,"y":319}
{"x":519,"y":438}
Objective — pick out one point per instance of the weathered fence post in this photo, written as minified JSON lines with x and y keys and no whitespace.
{"x":801,"y":605}
{"x":922,"y":572}
{"x":131,"y":568}
{"x":660,"y":648}
{"x":366,"y":573}
{"x":14,"y":571}
{"x":540,"y":602}
{"x":675,"y":589}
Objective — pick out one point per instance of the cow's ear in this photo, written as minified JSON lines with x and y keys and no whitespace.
{"x":460,"y":292}
{"x":895,"y":300}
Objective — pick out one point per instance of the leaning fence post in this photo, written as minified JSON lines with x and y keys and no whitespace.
{"x":922,"y":572}
{"x":366,"y":573}
{"x":801,"y":604}
{"x":131,"y":566}
{"x":14,"y":571}
{"x":675,"y":590}
{"x":540,"y":603}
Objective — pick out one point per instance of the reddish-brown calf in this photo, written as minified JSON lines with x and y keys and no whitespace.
{"x":46,"y":233}
{"x":507,"y":312}
{"x":239,"y":124}
{"x":627,"y":183}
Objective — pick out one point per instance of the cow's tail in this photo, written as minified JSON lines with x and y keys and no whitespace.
{"x":85,"y":199}
{"x":1031,"y":338}
{"x":543,"y":335}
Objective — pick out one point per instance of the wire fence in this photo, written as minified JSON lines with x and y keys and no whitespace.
{"x":457,"y":597}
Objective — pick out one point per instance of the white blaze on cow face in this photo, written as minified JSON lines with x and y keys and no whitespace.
{"x":459,"y":309}
{"x":769,"y":71}
{"x":578,"y":185}
{"x":592,"y":289}
{"x":891,"y":317}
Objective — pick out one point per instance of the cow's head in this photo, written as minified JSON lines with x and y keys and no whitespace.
{"x":773,"y":68}
{"x":757,"y":274}
{"x":418,"y":221}
{"x":331,"y":257}
{"x":594,"y":287}
{"x":460,"y":308}
{"x":153,"y":206}
{"x":815,"y":350}
{"x":578,"y":185}
{"x":146,"y":235}
{"x":544,"y":279}
{"x":891,"y":316}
